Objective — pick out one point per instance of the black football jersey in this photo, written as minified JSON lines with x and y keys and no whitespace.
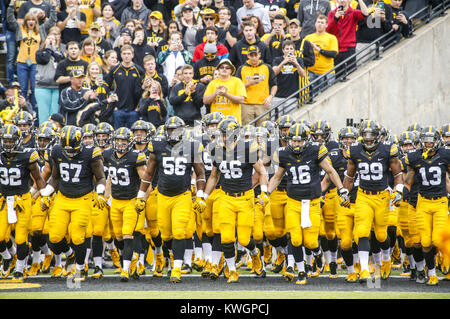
{"x":175,"y":164}
{"x":123,"y":174}
{"x":303,"y":170}
{"x":236,"y":166}
{"x":31,"y":143}
{"x":430,"y":171}
{"x":414,"y":191}
{"x":339,"y":163}
{"x":156,"y":175}
{"x":15,"y":176}
{"x":76,"y":176}
{"x":373,"y":167}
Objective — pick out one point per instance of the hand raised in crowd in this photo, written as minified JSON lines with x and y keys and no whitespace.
{"x":401,"y":17}
{"x":339,"y":13}
{"x":22,"y":101}
{"x":112,"y":98}
{"x":221,"y":90}
{"x":380,"y":13}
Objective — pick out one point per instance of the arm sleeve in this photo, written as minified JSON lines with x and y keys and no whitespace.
{"x":11,"y":19}
{"x":174,"y":98}
{"x":309,"y":57}
{"x":328,"y":53}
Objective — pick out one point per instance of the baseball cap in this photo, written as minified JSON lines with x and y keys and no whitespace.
{"x":210,"y":48}
{"x":226,"y":61}
{"x":156,"y":14}
{"x":186,"y":8}
{"x":76,"y":74}
{"x":94,"y":25}
{"x":58,"y":118}
{"x":296,"y":21}
{"x":127,"y":31}
{"x":14,"y":84}
{"x":252,"y":49}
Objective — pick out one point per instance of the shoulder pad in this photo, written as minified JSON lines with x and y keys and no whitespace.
{"x":315,"y":143}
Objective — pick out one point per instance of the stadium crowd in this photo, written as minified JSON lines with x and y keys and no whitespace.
{"x":125,"y":131}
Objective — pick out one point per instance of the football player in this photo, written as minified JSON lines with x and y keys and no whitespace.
{"x":372,"y":160}
{"x":278,"y":200}
{"x":125,"y":167}
{"x":17,"y":169}
{"x":46,"y":138}
{"x":302,"y":160}
{"x":175,"y":158}
{"x":211,"y":242}
{"x":235,"y":160}
{"x":321,"y":133}
{"x":24,"y":121}
{"x":74,"y":168}
{"x":430,"y":163}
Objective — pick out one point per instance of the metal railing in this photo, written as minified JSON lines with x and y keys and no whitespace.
{"x":340,"y":72}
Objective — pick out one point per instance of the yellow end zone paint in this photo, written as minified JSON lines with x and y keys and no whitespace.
{"x":9,"y":284}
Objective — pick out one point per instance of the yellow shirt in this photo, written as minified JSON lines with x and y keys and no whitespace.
{"x":92,"y":59}
{"x":28,"y":46}
{"x":235,"y":86}
{"x":325,"y":41}
{"x":89,"y":12}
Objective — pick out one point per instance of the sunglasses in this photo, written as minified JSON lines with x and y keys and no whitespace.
{"x":225,"y":67}
{"x":210,"y":55}
{"x":209,"y":18}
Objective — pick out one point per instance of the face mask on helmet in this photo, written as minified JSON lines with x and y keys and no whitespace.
{"x":10,"y":145}
{"x":174,"y":135}
{"x":321,"y":138}
{"x":346,"y":142}
{"x":370,"y":140}
{"x":25,"y":129}
{"x":141,"y":136}
{"x":211,"y":130}
{"x":429,"y":142}
{"x":43,"y":144}
{"x":297,"y":144}
{"x":102,"y":140}
{"x":88,"y":140}
{"x":121,"y":145}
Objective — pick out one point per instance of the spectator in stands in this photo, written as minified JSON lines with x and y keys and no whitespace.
{"x":151,"y":74}
{"x":225,"y":24}
{"x":288,"y":70}
{"x":101,"y":44}
{"x":204,"y":68}
{"x":10,"y":99}
{"x":209,"y":18}
{"x":137,"y":12}
{"x":155,"y":29}
{"x":75,"y":97}
{"x":11,"y":45}
{"x":71,"y":22}
{"x":189,"y":27}
{"x":152,"y":107}
{"x":174,"y":57}
{"x":177,"y":11}
{"x":238,"y":54}
{"x":258,"y":25}
{"x":92,"y":10}
{"x":125,"y":38}
{"x":47,"y":93}
{"x":29,"y":35}
{"x":141,"y":47}
{"x":66,"y":66}
{"x":186,"y":97}
{"x":342,"y":23}
{"x":274,"y":39}
{"x":58,"y":120}
{"x":378,"y":23}
{"x":274,"y":7}
{"x":126,"y":81}
{"x":165,"y":7}
{"x":261,"y":85}
{"x":40,"y":8}
{"x":325,"y":48}
{"x":89,"y":51}
{"x":57,"y":34}
{"x":307,"y":14}
{"x":109,"y":22}
{"x":303,"y":49}
{"x":250,"y":8}
{"x":220,"y":4}
{"x":109,"y":61}
{"x":401,"y":23}
{"x":211,"y":35}
{"x":226,"y":93}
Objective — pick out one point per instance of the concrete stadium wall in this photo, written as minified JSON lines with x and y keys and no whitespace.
{"x":410,"y":83}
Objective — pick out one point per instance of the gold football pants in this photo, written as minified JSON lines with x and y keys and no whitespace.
{"x":22,"y":225}
{"x":432,"y":215}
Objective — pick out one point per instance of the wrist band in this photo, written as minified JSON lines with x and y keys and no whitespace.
{"x":264,"y":188}
{"x":399,"y":188}
{"x":47,"y":191}
{"x":144,"y":181}
{"x":345,"y":174}
{"x":140,"y":194}
{"x":200,"y":194}
{"x":100,"y":189}
{"x":33,"y":191}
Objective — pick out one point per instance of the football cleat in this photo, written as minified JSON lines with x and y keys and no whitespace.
{"x":159,"y":265}
{"x":250,"y":265}
{"x":340,"y":260}
{"x":413,"y":275}
{"x":98,"y":273}
{"x":34,"y":270}
{"x":326,"y":268}
{"x":364,"y":275}
{"x":352,"y":277}
{"x":333,"y":270}
{"x":432,"y":281}
{"x":268,"y":254}
{"x":302,"y":278}
{"x":6,"y":268}
{"x":385,"y":269}
{"x":79,"y":275}
{"x":406,"y":270}
{"x":234,"y":277}
{"x":240,"y":259}
{"x":319,"y":263}
{"x":226,"y":272}
{"x":214,"y":273}
{"x":279,"y":262}
{"x":57,"y":272}
{"x":371,"y":268}
{"x":446,"y":277}
{"x":18,"y":277}
{"x":115,"y":257}
{"x":221,"y":265}
{"x":206,"y":270}
{"x":315,"y":272}
{"x":198,"y":264}
{"x":69,"y":266}
{"x":124,"y":276}
{"x":117,"y":270}
{"x":262,"y":275}
{"x":308,"y":270}
{"x":256,"y":263}
{"x":45,"y":268}
{"x":133,"y":266}
{"x":175,"y":275}
{"x":141,"y":269}
{"x":186,"y":269}
{"x":357,"y":267}
{"x":421,"y":277}
{"x":289,"y":274}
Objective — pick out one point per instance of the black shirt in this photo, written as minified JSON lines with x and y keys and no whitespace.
{"x":70,"y":32}
{"x":289,"y":76}
{"x":66,"y":66}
